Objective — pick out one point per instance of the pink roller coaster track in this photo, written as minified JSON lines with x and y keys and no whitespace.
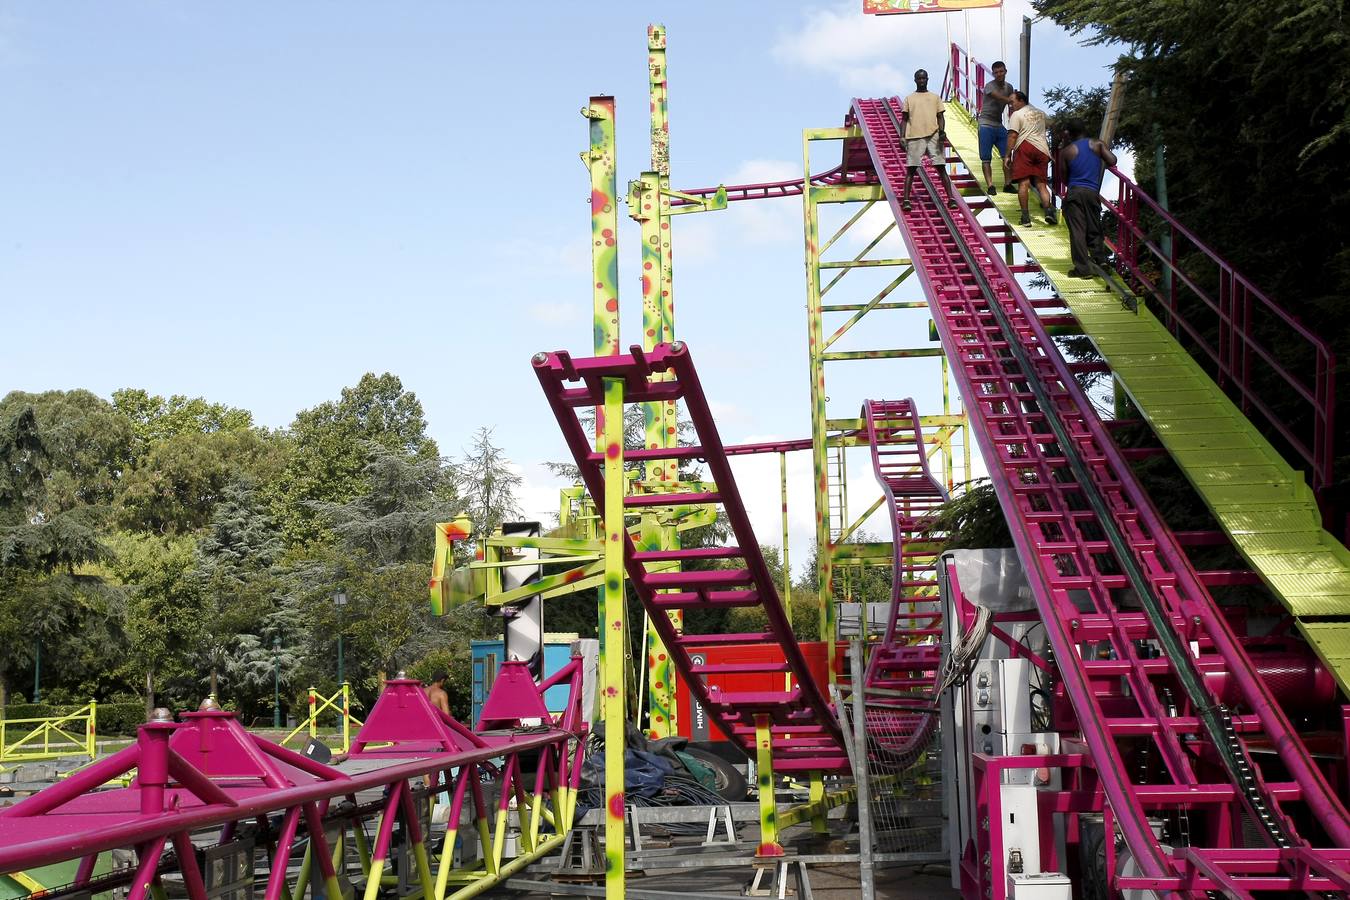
{"x":1087,"y":534}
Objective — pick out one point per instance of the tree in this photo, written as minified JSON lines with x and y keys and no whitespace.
{"x":634,"y":438}
{"x":233,"y":564}
{"x":87,"y":443}
{"x":380,"y":556}
{"x":489,"y":484}
{"x":330,"y":449}
{"x":178,"y":480}
{"x":42,"y":545}
{"x":155,"y":419}
{"x":1270,"y":83}
{"x":163,"y":616}
{"x":394,"y":520}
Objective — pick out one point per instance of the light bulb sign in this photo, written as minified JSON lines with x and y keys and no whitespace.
{"x":895,"y":7}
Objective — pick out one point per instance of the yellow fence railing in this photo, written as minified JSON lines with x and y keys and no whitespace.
{"x":340,"y":703}
{"x":29,"y":740}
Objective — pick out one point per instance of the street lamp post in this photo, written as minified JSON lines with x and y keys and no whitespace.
{"x":276,"y":681}
{"x":340,"y":601}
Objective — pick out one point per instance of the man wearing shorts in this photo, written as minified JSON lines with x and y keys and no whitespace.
{"x":925,"y":131}
{"x":1029,"y":157}
{"x":997,"y":94}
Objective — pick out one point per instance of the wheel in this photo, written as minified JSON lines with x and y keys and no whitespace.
{"x":730,"y":784}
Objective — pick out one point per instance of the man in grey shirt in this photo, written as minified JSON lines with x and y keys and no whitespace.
{"x":996,"y":95}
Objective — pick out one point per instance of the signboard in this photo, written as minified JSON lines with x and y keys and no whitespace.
{"x":892,"y":7}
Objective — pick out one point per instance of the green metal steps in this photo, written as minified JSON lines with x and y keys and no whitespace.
{"x":1262,"y":502}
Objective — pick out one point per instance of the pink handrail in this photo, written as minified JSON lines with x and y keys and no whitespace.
{"x":1242,"y":310}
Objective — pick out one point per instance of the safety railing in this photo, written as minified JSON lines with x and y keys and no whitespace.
{"x":1255,"y":349}
{"x":341,"y":703}
{"x":50,"y":737}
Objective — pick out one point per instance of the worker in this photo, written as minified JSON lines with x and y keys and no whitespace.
{"x":1083,"y":160}
{"x":994,"y":98}
{"x":436,"y":691}
{"x":925,"y":133}
{"x":1029,"y":157}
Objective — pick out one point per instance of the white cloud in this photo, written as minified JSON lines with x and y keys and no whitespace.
{"x":878,"y":54}
{"x":538,"y":493}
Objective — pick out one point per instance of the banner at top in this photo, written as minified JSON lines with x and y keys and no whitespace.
{"x":892,"y":7}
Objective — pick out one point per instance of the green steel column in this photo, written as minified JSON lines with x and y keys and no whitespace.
{"x":661,"y":474}
{"x":815,"y":342}
{"x":612,"y":694}
{"x":604,"y":231}
{"x":656,"y":64}
{"x":609,"y":440}
{"x":768,"y":804}
{"x":658,"y":326}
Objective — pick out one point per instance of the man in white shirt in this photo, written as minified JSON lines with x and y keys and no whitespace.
{"x":925,"y":132}
{"x":1029,"y":157}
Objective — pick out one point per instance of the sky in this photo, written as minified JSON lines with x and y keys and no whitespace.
{"x":258,"y":202}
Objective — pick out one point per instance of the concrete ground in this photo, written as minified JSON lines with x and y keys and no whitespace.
{"x":840,"y":881}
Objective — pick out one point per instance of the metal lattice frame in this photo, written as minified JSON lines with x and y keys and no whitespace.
{"x":204,"y":782}
{"x":852,"y":187}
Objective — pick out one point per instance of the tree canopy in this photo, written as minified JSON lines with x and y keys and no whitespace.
{"x":1249,"y":105}
{"x":163,"y":548}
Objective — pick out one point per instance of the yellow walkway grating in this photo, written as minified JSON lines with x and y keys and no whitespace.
{"x":1259,"y":499}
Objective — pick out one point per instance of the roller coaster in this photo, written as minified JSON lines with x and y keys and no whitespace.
{"x":1156,"y":738}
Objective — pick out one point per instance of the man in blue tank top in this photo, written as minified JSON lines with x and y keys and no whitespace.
{"x":1083,"y":160}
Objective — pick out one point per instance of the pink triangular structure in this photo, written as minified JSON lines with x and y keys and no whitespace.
{"x":405,"y":720}
{"x":514,"y":697}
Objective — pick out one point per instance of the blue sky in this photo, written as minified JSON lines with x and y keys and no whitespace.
{"x":258,"y":202}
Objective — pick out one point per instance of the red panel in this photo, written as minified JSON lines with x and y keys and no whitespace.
{"x":691,"y":723}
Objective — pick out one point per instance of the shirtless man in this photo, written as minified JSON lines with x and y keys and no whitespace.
{"x":436,"y":691}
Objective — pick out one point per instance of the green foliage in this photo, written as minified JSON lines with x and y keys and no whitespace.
{"x":490,"y":485}
{"x":42,"y":595}
{"x":1086,"y":104}
{"x":1252,"y":105}
{"x":167,"y":547}
{"x":22,"y":460}
{"x":973,"y":519}
{"x":178,"y":480}
{"x":394,"y":519}
{"x":330,"y":450}
{"x":154,"y":419}
{"x":163,"y":612}
{"x":459,"y":678}
{"x":234,"y":559}
{"x":88,"y":445}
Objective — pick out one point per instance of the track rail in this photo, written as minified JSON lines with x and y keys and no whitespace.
{"x":769,"y":190}
{"x":804,"y":729}
{"x":1087,"y":534}
{"x":907,"y":661}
